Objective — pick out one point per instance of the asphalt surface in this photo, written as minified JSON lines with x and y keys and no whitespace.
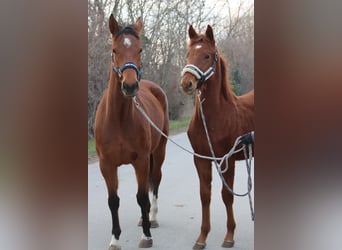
{"x":179,"y":205}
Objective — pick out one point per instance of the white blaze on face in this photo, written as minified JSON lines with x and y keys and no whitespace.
{"x":127,"y":42}
{"x":198,"y":46}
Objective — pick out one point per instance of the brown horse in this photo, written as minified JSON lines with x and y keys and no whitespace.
{"x":227,"y":117}
{"x":123,"y":135}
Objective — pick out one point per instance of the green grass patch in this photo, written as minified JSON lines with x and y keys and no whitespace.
{"x":174,"y":126}
{"x":91,"y":146}
{"x":179,"y":124}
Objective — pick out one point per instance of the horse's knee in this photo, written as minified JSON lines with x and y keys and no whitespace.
{"x":231,"y":225}
{"x":205,"y":200}
{"x":205,"y":193}
{"x":227,"y":197}
{"x":114,"y":202}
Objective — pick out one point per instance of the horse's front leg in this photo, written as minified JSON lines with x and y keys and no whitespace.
{"x":109,"y":173}
{"x":228,"y":199}
{"x":205,"y":176}
{"x":142,"y":171}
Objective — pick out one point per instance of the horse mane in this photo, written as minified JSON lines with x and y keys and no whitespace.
{"x":127,"y":30}
{"x":225,"y":84}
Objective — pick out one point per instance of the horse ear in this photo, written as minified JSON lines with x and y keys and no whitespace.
{"x":113,"y":25}
{"x":209,"y":33}
{"x":192,"y":32}
{"x":139,"y":25}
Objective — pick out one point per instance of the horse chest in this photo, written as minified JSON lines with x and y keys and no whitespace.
{"x":119,"y":152}
{"x":122,"y":146}
{"x":217,"y":134}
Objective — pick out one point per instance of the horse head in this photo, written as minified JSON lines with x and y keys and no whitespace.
{"x":126,"y":51}
{"x":201,"y":60}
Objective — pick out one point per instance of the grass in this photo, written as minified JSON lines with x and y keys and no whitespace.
{"x":176,"y":126}
{"x":91,"y":146}
{"x":180,"y":124}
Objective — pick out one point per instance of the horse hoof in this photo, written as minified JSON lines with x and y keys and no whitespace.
{"x":199,"y":246}
{"x":146,"y":243}
{"x":111,"y":247}
{"x":228,"y":243}
{"x":154,"y":224}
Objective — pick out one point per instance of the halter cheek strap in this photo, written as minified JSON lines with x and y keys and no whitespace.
{"x":202,"y":77}
{"x":127,"y":65}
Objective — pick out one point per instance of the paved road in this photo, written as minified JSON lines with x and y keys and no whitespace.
{"x":179,"y":206}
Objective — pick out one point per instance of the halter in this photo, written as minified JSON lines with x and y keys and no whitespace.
{"x":202,"y":77}
{"x":127,"y":65}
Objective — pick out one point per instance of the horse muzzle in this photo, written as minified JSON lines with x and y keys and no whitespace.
{"x":189,"y":83}
{"x":130,"y":89}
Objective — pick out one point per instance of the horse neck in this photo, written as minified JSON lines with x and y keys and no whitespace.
{"x":117,"y":105}
{"x":217,"y":92}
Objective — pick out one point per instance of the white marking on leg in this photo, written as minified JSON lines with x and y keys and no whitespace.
{"x":127,"y":42}
{"x":154,"y":209}
{"x":114,"y":242}
{"x":198,"y":46}
{"x":144,"y":237}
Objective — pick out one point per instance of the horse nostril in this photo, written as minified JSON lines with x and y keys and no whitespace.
{"x":130,"y":89}
{"x":190,"y":84}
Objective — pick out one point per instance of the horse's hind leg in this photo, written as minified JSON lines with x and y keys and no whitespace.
{"x":228,"y":199}
{"x":156,"y":161}
{"x":155,"y":178}
{"x":110,"y":175}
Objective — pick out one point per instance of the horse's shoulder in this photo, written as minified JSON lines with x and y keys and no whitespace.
{"x":150,"y":85}
{"x":101,"y":105}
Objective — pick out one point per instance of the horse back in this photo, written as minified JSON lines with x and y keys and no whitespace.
{"x":155,"y":91}
{"x":247,"y":99}
{"x":246,"y":112}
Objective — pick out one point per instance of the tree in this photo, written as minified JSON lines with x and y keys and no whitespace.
{"x":164,"y":42}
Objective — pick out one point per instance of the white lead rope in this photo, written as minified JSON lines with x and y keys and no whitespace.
{"x":213,"y":158}
{"x":232,"y":151}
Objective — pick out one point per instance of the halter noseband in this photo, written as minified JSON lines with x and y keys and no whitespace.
{"x":127,"y":65}
{"x":202,"y":77}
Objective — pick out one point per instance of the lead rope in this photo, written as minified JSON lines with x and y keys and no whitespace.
{"x":213,"y":158}
{"x":248,"y":166}
{"x":218,"y":166}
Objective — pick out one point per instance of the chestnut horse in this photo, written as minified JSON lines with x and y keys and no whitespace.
{"x":227,"y":117}
{"x":122,"y":134}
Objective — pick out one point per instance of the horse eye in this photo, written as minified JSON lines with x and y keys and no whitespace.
{"x":114,"y":51}
{"x":140,"y":50}
{"x":206,"y":56}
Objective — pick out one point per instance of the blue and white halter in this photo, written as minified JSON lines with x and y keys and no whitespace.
{"x":202,"y":77}
{"x":127,"y":65}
